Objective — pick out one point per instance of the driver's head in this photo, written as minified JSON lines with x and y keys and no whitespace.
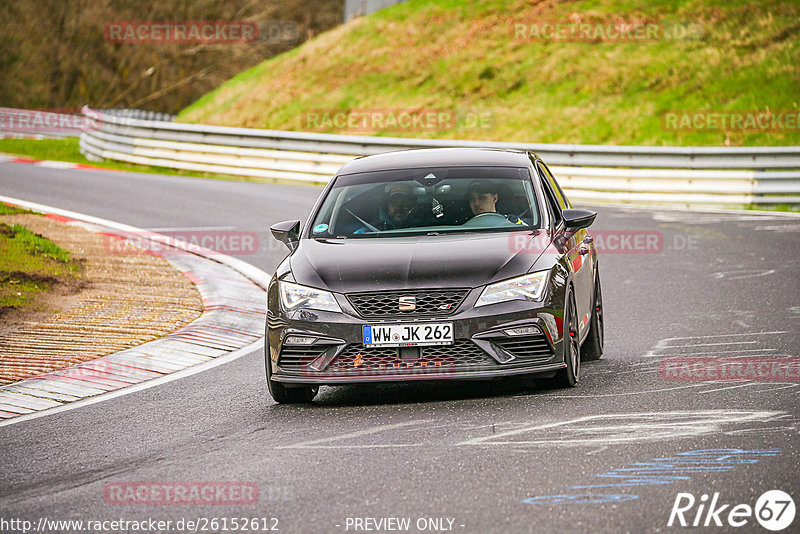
{"x":400,"y":204}
{"x":482,"y":196}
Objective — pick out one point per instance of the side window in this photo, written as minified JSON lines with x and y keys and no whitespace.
{"x":560,"y":196}
{"x":552,"y":204}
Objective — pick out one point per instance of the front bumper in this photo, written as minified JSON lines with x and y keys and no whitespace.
{"x":482,"y":348}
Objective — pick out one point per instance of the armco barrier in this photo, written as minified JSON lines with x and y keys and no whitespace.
{"x":707,"y":176}
{"x":39,"y":123}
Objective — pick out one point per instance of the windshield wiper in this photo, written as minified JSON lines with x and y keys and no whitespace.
{"x":362,"y":221}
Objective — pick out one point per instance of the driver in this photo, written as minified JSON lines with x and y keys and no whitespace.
{"x":396,"y":211}
{"x":483,"y":196}
{"x":400,"y":204}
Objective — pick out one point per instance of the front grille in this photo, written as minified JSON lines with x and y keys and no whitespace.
{"x":525,"y":346}
{"x":434,"y":302}
{"x":358,"y":360}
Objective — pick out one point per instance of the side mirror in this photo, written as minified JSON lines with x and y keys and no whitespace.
{"x":287,"y":232}
{"x":575,"y":219}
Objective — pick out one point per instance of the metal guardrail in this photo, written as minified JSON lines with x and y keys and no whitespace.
{"x":39,"y":123}
{"x":724,"y":176}
{"x":142,"y":114}
{"x":44,"y":123}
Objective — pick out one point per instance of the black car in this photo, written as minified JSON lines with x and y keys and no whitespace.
{"x":430,"y":265}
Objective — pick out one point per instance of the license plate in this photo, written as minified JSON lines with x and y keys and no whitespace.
{"x":408,"y":335}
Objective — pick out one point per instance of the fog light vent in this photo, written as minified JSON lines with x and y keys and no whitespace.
{"x":523,"y":331}
{"x":299,"y":340}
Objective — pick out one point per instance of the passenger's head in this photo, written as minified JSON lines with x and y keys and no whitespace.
{"x":482,"y":196}
{"x":400,"y":203}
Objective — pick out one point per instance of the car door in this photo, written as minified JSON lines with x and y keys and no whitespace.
{"x":578,"y":253}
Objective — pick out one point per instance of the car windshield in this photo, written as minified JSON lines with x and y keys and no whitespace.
{"x":428,"y":201}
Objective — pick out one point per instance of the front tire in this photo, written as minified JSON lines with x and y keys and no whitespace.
{"x":568,"y":377}
{"x":593,"y":346}
{"x":282,"y":394}
{"x":292,"y":395}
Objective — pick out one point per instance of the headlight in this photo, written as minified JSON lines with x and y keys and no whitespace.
{"x":297,"y":297}
{"x":528,"y":287}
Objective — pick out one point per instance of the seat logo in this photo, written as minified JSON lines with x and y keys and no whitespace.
{"x":407,"y":303}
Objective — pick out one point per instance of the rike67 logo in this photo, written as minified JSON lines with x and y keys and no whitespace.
{"x":774,"y":510}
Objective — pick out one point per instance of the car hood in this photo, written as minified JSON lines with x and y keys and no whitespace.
{"x":420,"y":262}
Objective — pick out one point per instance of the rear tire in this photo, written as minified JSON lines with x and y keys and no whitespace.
{"x":593,"y":346}
{"x":568,"y":377}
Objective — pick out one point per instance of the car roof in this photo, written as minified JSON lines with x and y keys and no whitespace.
{"x":437,"y":157}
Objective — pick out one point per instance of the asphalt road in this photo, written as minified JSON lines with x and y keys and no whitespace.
{"x":610,"y":455}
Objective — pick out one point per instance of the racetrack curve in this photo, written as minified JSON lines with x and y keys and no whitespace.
{"x":489,"y":455}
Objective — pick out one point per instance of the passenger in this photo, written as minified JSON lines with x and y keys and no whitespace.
{"x":483,"y":196}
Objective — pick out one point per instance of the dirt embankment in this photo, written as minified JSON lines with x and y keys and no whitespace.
{"x":120,"y":300}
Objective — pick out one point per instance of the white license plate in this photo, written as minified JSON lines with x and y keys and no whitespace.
{"x":408,"y":335}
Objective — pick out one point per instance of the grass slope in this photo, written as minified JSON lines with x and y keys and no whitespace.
{"x":29,"y":264}
{"x":461,"y":55}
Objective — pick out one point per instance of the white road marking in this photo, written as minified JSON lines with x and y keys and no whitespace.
{"x":752,"y":354}
{"x":189,"y":371}
{"x":741,"y":275}
{"x":727,"y":335}
{"x":780,"y":228}
{"x":485,"y":439}
{"x":369,"y":446}
{"x":315,"y":443}
{"x":772,"y":430}
{"x":650,"y":426}
{"x":56,"y":164}
{"x":620,"y":394}
{"x":778,"y":386}
{"x":732,"y":351}
{"x":661,"y":346}
{"x":249,"y":271}
{"x":712,"y":344}
{"x":601,"y":449}
{"x":746,"y":384}
{"x":636,"y":364}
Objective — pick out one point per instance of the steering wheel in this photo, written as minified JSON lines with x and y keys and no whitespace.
{"x":487,"y":217}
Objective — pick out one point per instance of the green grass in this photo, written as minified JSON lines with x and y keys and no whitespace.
{"x":8,"y":209}
{"x":29,"y":264}
{"x":461,"y":56}
{"x":788,"y":208}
